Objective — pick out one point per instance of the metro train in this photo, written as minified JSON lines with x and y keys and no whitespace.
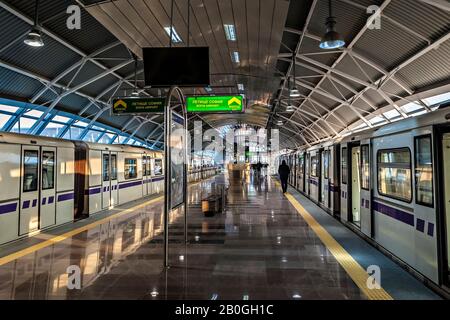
{"x":391,"y":185}
{"x":47,"y":182}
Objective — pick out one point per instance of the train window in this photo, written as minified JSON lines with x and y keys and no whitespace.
{"x":344,"y":166}
{"x":113,"y":167}
{"x":130,"y":169}
{"x":48,"y":170}
{"x":424,"y":171}
{"x":30,"y":168}
{"x":394,"y":174}
{"x":314,"y":166}
{"x":106,"y":167}
{"x":365,"y":167}
{"x":144,"y":166}
{"x":326,"y":164}
{"x":301,"y":164}
{"x":158,"y":167}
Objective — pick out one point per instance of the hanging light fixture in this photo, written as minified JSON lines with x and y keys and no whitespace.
{"x":34,"y":37}
{"x":280,"y":123}
{"x":332,"y":39}
{"x":290,"y":108}
{"x":293,"y":92}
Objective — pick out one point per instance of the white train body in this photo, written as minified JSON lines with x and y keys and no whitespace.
{"x":48,"y":182}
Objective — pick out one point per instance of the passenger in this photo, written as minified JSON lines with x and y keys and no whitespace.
{"x":284,"y":172}
{"x":258,"y":168}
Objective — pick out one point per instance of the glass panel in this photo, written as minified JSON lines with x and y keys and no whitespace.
{"x":30,"y":169}
{"x":61,"y":119}
{"x":23,"y":125}
{"x":73,"y":133}
{"x":92,"y":136}
{"x":314,"y":166}
{"x":365,"y":168}
{"x":106,"y":138}
{"x":113,"y":167}
{"x":106,"y":167}
{"x":158,"y":167}
{"x":344,"y":166}
{"x":34,"y":113}
{"x":130,"y":169}
{"x":4,"y":118}
{"x":394,"y":174}
{"x":424,"y":171}
{"x":144,"y":166}
{"x":8,"y":108}
{"x":48,"y":170}
{"x":326,"y":164}
{"x":53,"y":130}
{"x":81,"y":123}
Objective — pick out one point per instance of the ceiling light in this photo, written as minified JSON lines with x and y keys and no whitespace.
{"x":235,"y":57}
{"x":230,"y":32}
{"x":175,"y":37}
{"x":294,"y":93}
{"x":290,"y":108}
{"x":332,"y":39}
{"x":240,"y":87}
{"x":208,"y":89}
{"x":34,"y":38}
{"x":280,"y":123}
{"x":135,"y":93}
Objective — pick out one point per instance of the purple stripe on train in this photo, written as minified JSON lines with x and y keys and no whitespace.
{"x":34,"y":203}
{"x":8,"y":208}
{"x":130,"y":184}
{"x":26,"y":204}
{"x":65,"y":197}
{"x":51,"y":199}
{"x":394,"y":213}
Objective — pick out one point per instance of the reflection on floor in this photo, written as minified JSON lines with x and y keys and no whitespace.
{"x":259,"y":249}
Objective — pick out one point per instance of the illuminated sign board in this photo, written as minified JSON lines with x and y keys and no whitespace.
{"x":138,"y":105}
{"x":215,"y":104}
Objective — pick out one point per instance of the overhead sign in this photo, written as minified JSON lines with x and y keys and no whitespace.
{"x":215,"y":104}
{"x":138,"y":105}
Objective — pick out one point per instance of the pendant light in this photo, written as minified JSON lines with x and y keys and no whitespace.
{"x":332,"y":39}
{"x":294,"y":93}
{"x":34,"y":37}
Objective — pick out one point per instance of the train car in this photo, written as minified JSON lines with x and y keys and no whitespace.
{"x":37,"y":183}
{"x":111,"y":175}
{"x":384,"y":183}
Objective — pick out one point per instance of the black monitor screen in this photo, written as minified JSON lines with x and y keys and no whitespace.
{"x":165,"y":67}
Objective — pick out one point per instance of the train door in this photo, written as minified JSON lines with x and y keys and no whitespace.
{"x":29,"y":195}
{"x":446,"y":207}
{"x":114,"y":180}
{"x":325,"y":178}
{"x":366,"y":193}
{"x":145,"y":175}
{"x":106,"y":180}
{"x":343,"y":163}
{"x":48,"y":187}
{"x":356,"y":186}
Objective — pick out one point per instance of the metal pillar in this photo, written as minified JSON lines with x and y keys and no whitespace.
{"x":168,"y":168}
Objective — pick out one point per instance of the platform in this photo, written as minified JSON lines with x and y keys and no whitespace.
{"x":266,"y":246}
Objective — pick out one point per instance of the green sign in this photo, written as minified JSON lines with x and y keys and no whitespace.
{"x":215,"y":104}
{"x":138,"y":105}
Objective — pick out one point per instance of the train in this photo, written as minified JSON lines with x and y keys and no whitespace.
{"x":47,"y":182}
{"x":391,"y":185}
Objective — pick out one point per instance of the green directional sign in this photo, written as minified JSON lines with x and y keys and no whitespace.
{"x":138,"y":105}
{"x":215,"y":104}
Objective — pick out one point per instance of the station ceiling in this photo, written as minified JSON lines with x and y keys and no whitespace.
{"x":379,"y":70}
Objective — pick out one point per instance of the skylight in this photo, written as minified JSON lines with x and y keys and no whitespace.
{"x":230,"y":32}
{"x":175,"y":37}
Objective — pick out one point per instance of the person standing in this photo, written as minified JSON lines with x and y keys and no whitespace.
{"x":284,"y":171}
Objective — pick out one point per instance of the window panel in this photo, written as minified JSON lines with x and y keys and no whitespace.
{"x":365,"y":167}
{"x":4,"y":118}
{"x":92,"y":136}
{"x":53,"y":130}
{"x":106,"y":167}
{"x":48,"y":170}
{"x":314,"y":166}
{"x":30,"y":168}
{"x":34,"y":113}
{"x":394,"y":174}
{"x":130,"y":169}
{"x":344,"y":166}
{"x":113,"y":167}
{"x":73,"y":133}
{"x":424,"y":171}
{"x":326,"y":164}
{"x":10,"y":109}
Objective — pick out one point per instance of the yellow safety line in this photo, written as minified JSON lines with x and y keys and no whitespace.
{"x":62,"y":237}
{"x":350,"y":265}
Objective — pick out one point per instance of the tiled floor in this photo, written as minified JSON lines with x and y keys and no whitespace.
{"x":260,"y":248}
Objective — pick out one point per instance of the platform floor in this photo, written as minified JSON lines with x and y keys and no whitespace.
{"x":265,"y":246}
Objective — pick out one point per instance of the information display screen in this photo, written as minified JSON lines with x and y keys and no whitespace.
{"x":215,"y":104}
